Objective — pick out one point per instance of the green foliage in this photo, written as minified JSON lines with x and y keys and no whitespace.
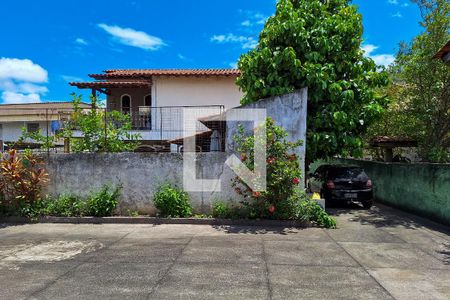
{"x":100,"y":131}
{"x":283,"y":169}
{"x":317,"y":44}
{"x":100,"y":203}
{"x":172,"y":202}
{"x":104,"y":202}
{"x":425,"y":81}
{"x":300,"y":207}
{"x":46,"y":142}
{"x":221,"y":210}
{"x":66,"y":205}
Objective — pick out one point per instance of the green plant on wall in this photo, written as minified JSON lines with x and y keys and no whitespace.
{"x":100,"y":131}
{"x":317,"y":44}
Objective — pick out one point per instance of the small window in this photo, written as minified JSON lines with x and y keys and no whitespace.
{"x":126,"y":104}
{"x":32,"y":127}
{"x":148,"y":100}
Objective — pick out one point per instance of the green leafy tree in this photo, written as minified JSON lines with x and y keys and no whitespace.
{"x":426,"y":82}
{"x":317,"y":44}
{"x":45,"y":142}
{"x":101,"y":131}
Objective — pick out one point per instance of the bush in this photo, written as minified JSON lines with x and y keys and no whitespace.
{"x":65,"y":205}
{"x":283,"y":170}
{"x":300,"y":207}
{"x":104,"y":202}
{"x":22,"y":178}
{"x":172,"y":202}
{"x":221,"y":210}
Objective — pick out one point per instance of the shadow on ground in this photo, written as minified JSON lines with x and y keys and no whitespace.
{"x":239,"y":229}
{"x":5,"y":225}
{"x":381,"y":216}
{"x":446,"y":253}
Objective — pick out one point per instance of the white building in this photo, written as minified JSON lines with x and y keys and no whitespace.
{"x":157,"y":99}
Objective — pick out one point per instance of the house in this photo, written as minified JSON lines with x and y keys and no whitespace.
{"x":45,"y":117}
{"x":157,"y":99}
{"x":444,"y":54}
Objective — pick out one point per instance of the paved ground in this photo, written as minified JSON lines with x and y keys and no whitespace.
{"x":380,"y":254}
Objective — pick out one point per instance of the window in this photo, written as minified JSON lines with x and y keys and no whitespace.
{"x":148,"y":100}
{"x":33,"y":127}
{"x":126,"y":104}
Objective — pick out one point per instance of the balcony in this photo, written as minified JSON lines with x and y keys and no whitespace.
{"x":167,"y":122}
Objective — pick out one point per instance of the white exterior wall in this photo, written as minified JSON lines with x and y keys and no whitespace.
{"x":193,"y":91}
{"x":11,"y":131}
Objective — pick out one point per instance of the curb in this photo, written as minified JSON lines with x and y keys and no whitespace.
{"x":153,"y":220}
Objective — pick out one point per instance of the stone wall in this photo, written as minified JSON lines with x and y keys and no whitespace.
{"x":423,"y":189}
{"x":140,"y":174}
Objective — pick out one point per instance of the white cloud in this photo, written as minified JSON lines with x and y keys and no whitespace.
{"x":134,"y":38}
{"x":246,"y":42}
{"x":22,"y":69}
{"x":81,"y":41}
{"x":393,"y":2}
{"x":21,"y":79}
{"x":13,"y":98}
{"x":379,"y":59}
{"x":406,"y":4}
{"x":234,"y":65}
{"x":253,"y":18}
{"x":397,"y":15}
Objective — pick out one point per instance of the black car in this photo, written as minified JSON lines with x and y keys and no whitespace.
{"x":342,"y":183}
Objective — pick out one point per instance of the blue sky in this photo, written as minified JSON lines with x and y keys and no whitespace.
{"x":44,"y":44}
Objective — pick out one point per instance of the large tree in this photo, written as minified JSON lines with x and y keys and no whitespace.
{"x":426,"y":82}
{"x":317,"y":44}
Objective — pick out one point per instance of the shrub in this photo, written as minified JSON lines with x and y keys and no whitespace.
{"x":283,"y":170}
{"x":172,"y":202}
{"x":22,"y":178}
{"x":104,"y":202}
{"x":282,"y":198}
{"x":66,"y":205}
{"x":221,"y":210}
{"x":300,"y":207}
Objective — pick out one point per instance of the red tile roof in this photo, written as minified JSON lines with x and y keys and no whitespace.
{"x":114,"y":84}
{"x":165,"y":72}
{"x":444,"y":50}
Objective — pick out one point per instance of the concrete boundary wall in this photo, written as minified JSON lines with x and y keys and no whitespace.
{"x":423,"y":189}
{"x":140,"y":174}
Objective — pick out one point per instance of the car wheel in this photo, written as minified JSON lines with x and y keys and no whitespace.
{"x":367,"y":204}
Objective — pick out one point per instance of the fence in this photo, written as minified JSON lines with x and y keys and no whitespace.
{"x":154,"y":125}
{"x":421,"y":188}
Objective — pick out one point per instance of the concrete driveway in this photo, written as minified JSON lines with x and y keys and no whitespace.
{"x":377,"y":254}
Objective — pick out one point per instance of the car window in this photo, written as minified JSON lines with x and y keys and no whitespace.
{"x":348,"y":173}
{"x":321,"y":171}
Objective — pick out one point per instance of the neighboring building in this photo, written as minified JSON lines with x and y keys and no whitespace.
{"x":46,"y":117}
{"x":444,"y":54}
{"x":157,"y":99}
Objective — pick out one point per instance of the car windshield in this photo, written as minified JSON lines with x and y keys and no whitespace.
{"x":357,"y":174}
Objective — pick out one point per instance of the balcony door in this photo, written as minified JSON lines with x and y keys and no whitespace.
{"x":125,"y":104}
